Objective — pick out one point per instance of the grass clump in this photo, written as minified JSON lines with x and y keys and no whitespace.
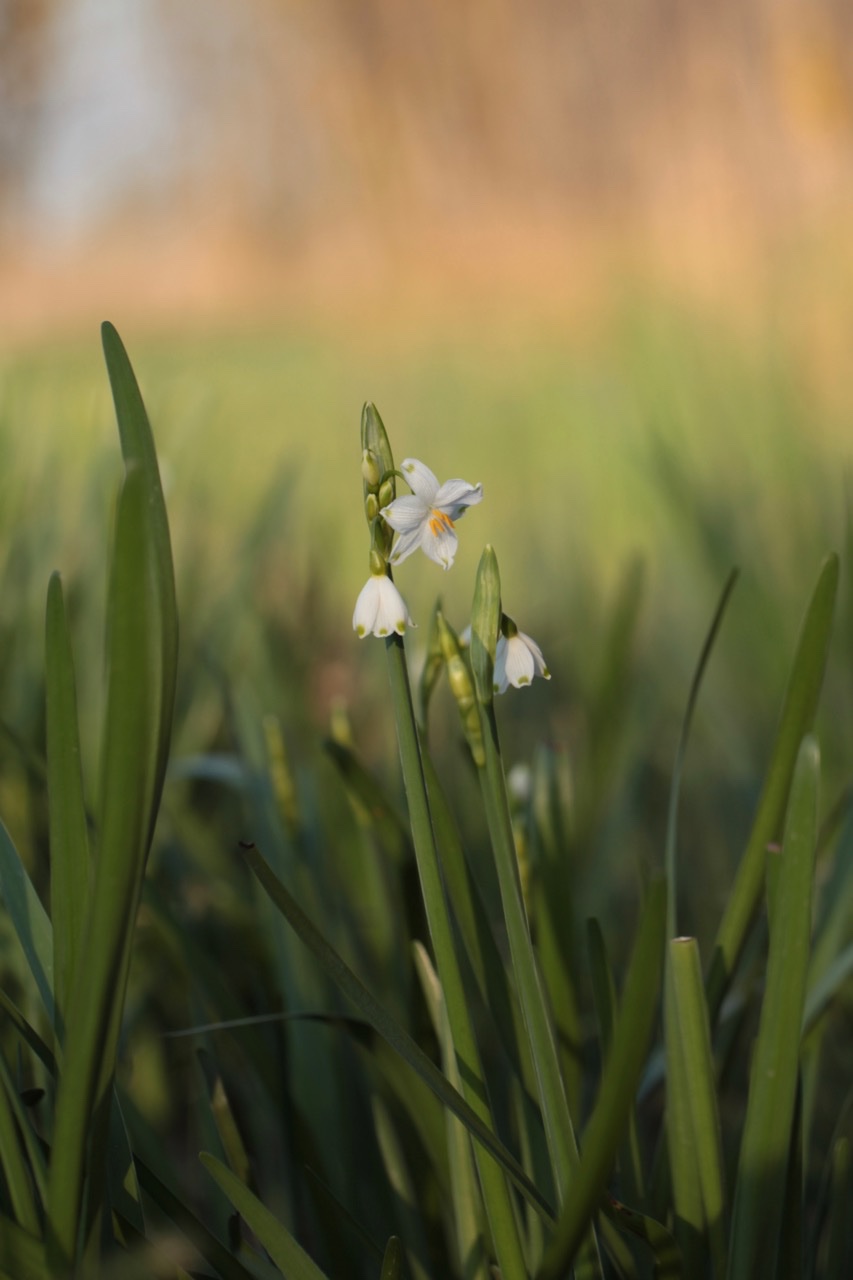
{"x":507,"y":1018}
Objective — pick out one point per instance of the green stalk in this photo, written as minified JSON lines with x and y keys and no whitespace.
{"x":496,"y":1195}
{"x":559,"y":1130}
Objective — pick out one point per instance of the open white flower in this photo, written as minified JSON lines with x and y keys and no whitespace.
{"x":380,"y":609}
{"x":517,"y":660}
{"x":426,"y":518}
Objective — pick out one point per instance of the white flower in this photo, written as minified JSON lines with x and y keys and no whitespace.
{"x":517,"y":660}
{"x":380,"y":608}
{"x":426,"y":518}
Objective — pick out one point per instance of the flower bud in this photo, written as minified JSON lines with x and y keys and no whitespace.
{"x":462,"y":688}
{"x":386,"y":492}
{"x":374,"y":441}
{"x":371,"y":472}
{"x":485,"y":623}
{"x":371,"y":507}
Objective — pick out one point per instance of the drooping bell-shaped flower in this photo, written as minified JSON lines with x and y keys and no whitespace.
{"x":380,"y":609}
{"x":518,"y":658}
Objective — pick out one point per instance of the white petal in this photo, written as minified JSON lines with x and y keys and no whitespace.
{"x":404,"y":514}
{"x":520,"y":666}
{"x":500,"y":683}
{"x":455,"y":495}
{"x":366,"y":607}
{"x":538,"y":660}
{"x":392,"y":614}
{"x":420,"y":480}
{"x":439,"y":541}
{"x":406,"y":544}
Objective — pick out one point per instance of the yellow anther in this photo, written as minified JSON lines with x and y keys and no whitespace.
{"x":439,"y":520}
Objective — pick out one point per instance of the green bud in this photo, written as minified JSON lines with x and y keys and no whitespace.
{"x":433,"y":665}
{"x":371,"y":506}
{"x":485,"y":623}
{"x":371,"y":472}
{"x":374,"y":442}
{"x":462,"y":688}
{"x":387,"y":490}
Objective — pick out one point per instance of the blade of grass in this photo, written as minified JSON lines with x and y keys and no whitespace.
{"x":131,"y":768}
{"x":138,"y":449}
{"x":693,"y":1037}
{"x":22,"y":1254}
{"x":798,"y":710}
{"x":289,"y":1257}
{"x":211,"y":1249}
{"x":391,"y":1032}
{"x":762,"y":1167}
{"x":604,"y":999}
{"x":392,"y":1263}
{"x":29,"y":919}
{"x":14,"y":1161}
{"x":667,"y":1260}
{"x":70,"y":866}
{"x":631,"y":1036}
{"x":681,"y":751}
{"x":471,"y":1249}
{"x":839,"y":1252}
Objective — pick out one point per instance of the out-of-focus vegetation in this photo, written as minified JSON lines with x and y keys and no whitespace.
{"x":310,"y":1110}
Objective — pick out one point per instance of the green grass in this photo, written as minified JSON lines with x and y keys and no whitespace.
{"x":313,"y":937}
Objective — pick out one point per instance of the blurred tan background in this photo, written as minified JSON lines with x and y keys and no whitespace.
{"x":218,"y":158}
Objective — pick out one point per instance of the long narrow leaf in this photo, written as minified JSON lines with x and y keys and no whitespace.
{"x":127,"y":805}
{"x":138,"y":450}
{"x":29,"y":919}
{"x":692,"y":1034}
{"x":798,"y":711}
{"x":288,"y":1256}
{"x":762,"y":1168}
{"x":638,"y":1010}
{"x":70,"y":869}
{"x":384,"y":1024}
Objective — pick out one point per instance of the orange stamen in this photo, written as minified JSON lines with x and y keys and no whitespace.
{"x":439,"y":520}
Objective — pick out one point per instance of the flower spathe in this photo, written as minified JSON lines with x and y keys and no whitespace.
{"x":427,"y":517}
{"x":517,"y":660}
{"x":380,"y":609}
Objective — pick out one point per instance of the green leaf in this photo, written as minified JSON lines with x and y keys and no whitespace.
{"x":668,"y":1264}
{"x":211,"y":1249}
{"x":763,"y":1163}
{"x":15,"y":1158}
{"x":131,"y":767}
{"x":798,"y":711}
{"x":288,"y":1256}
{"x":70,"y":868}
{"x":601,"y":1138}
{"x":138,"y":450}
{"x":22,"y":1254}
{"x":392,"y":1263}
{"x":690,"y":1036}
{"x":29,"y":919}
{"x":470,"y":1244}
{"x":681,"y":751}
{"x":839,"y":1250}
{"x":391,"y":1032}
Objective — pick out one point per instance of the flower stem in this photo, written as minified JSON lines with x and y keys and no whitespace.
{"x":498,"y":1201}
